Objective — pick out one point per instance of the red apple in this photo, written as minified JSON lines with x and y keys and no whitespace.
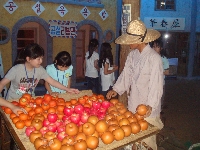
{"x":29,"y":130}
{"x":68,"y":111}
{"x":75,"y":118}
{"x":52,"y":117}
{"x":44,"y":130}
{"x":59,"y":123}
{"x":87,"y":109}
{"x":84,"y":117}
{"x":79,"y":109}
{"x":105,"y":104}
{"x":65,"y":118}
{"x":61,"y":128}
{"x":96,"y":105}
{"x":93,"y":111}
{"x":46,"y":122}
{"x":102,"y":110}
{"x":61,"y":135}
{"x":52,"y":127}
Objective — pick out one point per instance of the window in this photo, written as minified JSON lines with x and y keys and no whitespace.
{"x":165,"y":5}
{"x":4,"y":34}
{"x":25,"y":37}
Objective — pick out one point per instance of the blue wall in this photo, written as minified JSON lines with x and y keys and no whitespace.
{"x":183,"y":10}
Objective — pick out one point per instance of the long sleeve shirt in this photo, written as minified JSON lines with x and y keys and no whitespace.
{"x":142,"y":78}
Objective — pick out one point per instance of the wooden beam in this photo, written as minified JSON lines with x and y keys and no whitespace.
{"x":125,"y":49}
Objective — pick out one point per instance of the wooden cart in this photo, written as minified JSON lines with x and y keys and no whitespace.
{"x":23,"y":143}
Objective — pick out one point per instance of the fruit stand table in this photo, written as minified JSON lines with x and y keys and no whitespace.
{"x":23,"y":143}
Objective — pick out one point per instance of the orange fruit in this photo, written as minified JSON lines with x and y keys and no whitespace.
{"x":20,"y":124}
{"x":51,"y":110}
{"x":52,"y":103}
{"x":38,"y":110}
{"x":12,"y":115}
{"x":23,"y":116}
{"x":15,"y":119}
{"x":27,"y":122}
{"x":7,"y":110}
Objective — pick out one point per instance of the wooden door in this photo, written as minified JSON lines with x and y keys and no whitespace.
{"x":80,"y":55}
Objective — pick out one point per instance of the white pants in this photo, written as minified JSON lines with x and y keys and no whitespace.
{"x":151,"y":141}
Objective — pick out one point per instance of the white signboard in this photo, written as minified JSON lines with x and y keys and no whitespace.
{"x":38,"y":8}
{"x":165,"y":23}
{"x":85,"y":12}
{"x":103,"y":14}
{"x":67,"y":29}
{"x":10,"y":6}
{"x":126,"y":16}
{"x":61,"y":10}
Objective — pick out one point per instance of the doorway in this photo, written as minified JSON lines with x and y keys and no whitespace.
{"x":32,"y":32}
{"x":84,"y":35}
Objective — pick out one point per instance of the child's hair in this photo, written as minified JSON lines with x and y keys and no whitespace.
{"x":105,"y":53}
{"x":63,"y":59}
{"x":92,"y":47}
{"x":159,"y":43}
{"x":32,"y":50}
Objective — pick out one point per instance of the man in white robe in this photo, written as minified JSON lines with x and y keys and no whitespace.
{"x":142,"y":76}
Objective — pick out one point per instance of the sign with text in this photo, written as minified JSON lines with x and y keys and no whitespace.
{"x":103,"y":14}
{"x":10,"y":6}
{"x":67,"y":29}
{"x":85,"y":12}
{"x":61,"y":10}
{"x":38,"y":8}
{"x":165,"y":23}
{"x":126,"y":16}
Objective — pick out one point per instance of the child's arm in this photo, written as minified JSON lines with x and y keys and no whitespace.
{"x":96,"y":64}
{"x":3,"y":83}
{"x":60,"y":86}
{"x":106,"y":71}
{"x":69,"y":82}
{"x":47,"y":86}
{"x":14,"y":108}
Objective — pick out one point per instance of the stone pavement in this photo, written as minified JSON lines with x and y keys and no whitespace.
{"x":181,"y":115}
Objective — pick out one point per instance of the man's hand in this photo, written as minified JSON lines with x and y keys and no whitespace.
{"x":111,"y":94}
{"x":148,"y":111}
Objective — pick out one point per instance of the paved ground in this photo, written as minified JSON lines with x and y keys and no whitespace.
{"x":181,"y":115}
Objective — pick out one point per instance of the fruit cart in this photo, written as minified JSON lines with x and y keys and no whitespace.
{"x":23,"y":143}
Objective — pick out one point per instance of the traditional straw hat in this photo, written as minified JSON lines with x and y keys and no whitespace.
{"x":137,"y":33}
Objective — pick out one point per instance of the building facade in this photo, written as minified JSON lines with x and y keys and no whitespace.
{"x":180,"y":21}
{"x":57,"y":25}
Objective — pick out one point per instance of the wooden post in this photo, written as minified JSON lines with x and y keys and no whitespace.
{"x":125,"y":49}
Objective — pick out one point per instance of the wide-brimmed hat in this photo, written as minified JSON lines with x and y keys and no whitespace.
{"x":137,"y":33}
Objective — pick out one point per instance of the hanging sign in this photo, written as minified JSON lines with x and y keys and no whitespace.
{"x":67,"y":29}
{"x":38,"y":8}
{"x":126,"y":16}
{"x":85,"y":12}
{"x":4,"y":91}
{"x":61,"y":10}
{"x":103,"y":14}
{"x":165,"y":23}
{"x":10,"y":6}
